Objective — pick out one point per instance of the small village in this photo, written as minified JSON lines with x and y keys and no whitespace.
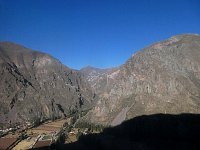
{"x":46,"y":135}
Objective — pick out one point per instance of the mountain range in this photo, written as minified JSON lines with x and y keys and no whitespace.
{"x":161,"y":78}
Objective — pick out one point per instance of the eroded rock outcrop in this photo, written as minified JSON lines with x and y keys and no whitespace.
{"x":161,"y":78}
{"x":35,"y":86}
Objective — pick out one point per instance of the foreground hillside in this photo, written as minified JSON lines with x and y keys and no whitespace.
{"x":147,"y":132}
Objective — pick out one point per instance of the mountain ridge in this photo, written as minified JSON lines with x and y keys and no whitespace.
{"x":143,"y":80}
{"x":50,"y":89}
{"x":163,"y":77}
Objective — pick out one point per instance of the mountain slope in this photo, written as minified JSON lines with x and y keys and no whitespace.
{"x":34,"y":86}
{"x":161,"y":78}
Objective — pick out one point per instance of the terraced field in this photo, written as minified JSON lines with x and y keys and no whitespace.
{"x":41,"y":136}
{"x":48,"y":128}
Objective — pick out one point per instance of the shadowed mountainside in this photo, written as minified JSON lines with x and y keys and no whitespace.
{"x":148,"y":132}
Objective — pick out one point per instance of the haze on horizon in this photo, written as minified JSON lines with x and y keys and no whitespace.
{"x":99,"y":33}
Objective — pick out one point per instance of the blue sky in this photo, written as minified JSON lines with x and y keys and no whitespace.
{"x":100,"y":33}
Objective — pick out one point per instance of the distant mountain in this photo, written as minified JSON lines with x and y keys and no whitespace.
{"x":35,"y":86}
{"x":92,"y":74}
{"x":94,"y":77}
{"x":161,"y":78}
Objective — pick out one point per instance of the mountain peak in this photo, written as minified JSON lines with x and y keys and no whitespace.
{"x":184,"y":36}
{"x":11,"y":47}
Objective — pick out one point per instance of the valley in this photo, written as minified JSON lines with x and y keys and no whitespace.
{"x":45,"y":103}
{"x":47,"y":135}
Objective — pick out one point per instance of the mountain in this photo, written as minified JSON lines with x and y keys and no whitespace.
{"x":161,"y":78}
{"x":94,"y":77}
{"x":34,"y":86}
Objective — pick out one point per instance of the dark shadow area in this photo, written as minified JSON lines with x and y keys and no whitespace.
{"x":43,"y":148}
{"x":149,"y":132}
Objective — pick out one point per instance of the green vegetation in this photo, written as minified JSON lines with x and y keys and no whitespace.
{"x":75,"y":114}
{"x":90,"y":126}
{"x":79,"y":134}
{"x":36,"y":122}
{"x":46,"y":137}
{"x":75,"y":111}
{"x":1,"y":125}
{"x":84,"y":112}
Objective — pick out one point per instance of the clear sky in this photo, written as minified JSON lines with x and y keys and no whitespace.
{"x":100,"y":33}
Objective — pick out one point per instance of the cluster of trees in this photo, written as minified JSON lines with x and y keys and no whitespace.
{"x":1,"y":126}
{"x":90,"y":126}
{"x":76,"y":114}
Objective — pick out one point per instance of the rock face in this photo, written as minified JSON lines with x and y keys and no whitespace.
{"x":161,"y":78}
{"x":34,"y":86}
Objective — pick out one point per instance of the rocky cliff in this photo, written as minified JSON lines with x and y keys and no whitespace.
{"x":161,"y":78}
{"x":35,"y":86}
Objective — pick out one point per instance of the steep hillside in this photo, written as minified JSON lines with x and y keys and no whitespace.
{"x":35,"y":86}
{"x":161,"y":78}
